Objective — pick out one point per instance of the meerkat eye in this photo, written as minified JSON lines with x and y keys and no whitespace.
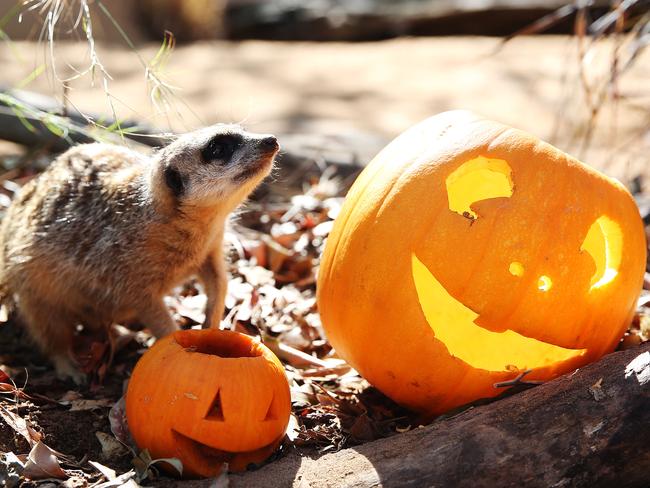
{"x":221,"y":147}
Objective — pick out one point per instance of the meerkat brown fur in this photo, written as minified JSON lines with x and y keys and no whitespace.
{"x":105,"y":232}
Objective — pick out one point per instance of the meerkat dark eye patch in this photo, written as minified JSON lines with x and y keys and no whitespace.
{"x":221,"y":147}
{"x":174,"y":181}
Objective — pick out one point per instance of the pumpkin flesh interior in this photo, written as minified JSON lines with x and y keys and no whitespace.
{"x":222,"y":345}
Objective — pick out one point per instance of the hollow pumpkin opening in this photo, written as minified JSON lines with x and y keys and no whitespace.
{"x":221,"y":343}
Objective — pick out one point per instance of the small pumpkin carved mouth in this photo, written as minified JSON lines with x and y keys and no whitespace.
{"x":196,"y":449}
{"x":197,"y":455}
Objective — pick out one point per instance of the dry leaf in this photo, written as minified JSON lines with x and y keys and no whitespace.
{"x":42,"y":463}
{"x":293,"y":427}
{"x":117,"y":419}
{"x":125,"y":480}
{"x":85,"y":404}
{"x":108,"y":473}
{"x":11,"y":469}
{"x":597,"y":391}
{"x":111,"y":447}
{"x":20,"y":425}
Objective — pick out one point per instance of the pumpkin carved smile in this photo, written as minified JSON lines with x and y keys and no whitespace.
{"x":493,"y":351}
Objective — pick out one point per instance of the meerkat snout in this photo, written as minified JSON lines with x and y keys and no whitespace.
{"x":105,"y":232}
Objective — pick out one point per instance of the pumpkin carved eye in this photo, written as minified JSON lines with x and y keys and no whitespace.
{"x":478,"y":179}
{"x":604,"y":243}
{"x":215,"y":412}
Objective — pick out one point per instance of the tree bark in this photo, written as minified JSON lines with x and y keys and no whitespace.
{"x":590,"y":428}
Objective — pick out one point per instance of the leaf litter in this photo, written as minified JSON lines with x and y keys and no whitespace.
{"x":80,"y":435}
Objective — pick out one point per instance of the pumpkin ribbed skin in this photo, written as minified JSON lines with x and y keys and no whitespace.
{"x":208,"y":397}
{"x":521,"y":267}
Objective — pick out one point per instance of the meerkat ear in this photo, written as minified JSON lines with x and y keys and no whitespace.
{"x":174,"y":181}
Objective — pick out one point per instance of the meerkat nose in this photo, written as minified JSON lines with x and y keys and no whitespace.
{"x":270,"y":143}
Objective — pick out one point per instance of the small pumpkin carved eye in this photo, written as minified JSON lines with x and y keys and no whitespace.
{"x":216,"y":410}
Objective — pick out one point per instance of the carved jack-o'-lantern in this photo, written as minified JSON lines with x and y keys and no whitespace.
{"x":468,"y":252}
{"x":207,"y":397}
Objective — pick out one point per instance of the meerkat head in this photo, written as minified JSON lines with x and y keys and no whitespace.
{"x":218,"y":165}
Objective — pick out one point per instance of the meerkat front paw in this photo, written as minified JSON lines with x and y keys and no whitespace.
{"x":156,"y":317}
{"x":67,"y":369}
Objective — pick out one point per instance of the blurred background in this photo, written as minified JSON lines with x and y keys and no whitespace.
{"x":337,"y":79}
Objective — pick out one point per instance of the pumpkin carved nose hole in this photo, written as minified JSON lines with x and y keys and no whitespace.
{"x":604,"y":243}
{"x":215,"y":412}
{"x":544,"y":283}
{"x":478,"y":179}
{"x":516,"y":269}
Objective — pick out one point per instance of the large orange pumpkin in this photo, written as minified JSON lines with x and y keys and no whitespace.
{"x":208,"y":397}
{"x":468,"y":252}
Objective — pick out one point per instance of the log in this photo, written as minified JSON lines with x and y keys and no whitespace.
{"x":302,"y":156}
{"x":590,"y":428}
{"x":29,"y":127}
{"x":369,"y":20}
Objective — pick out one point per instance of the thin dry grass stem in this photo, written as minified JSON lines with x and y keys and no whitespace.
{"x":604,"y":90}
{"x":75,"y":18}
{"x":619,"y":37}
{"x":60,"y":126}
{"x":161,"y":93}
{"x":58,"y":13}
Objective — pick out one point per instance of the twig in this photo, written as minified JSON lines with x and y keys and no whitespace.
{"x":518,"y":380}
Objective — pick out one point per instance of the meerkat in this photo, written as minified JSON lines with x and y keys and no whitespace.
{"x":105,"y":232}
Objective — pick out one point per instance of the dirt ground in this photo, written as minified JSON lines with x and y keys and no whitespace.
{"x":366,"y":92}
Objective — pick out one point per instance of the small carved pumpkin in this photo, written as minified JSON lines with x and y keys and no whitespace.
{"x":207,"y":397}
{"x":469,"y":252}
